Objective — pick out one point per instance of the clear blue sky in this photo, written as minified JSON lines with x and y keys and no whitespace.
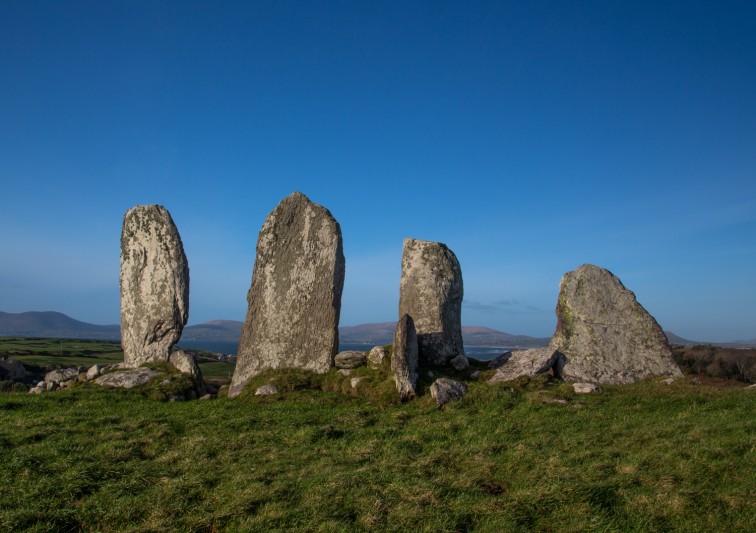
{"x":531,"y":137}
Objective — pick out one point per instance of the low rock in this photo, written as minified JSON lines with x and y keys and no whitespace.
{"x":475,"y":375}
{"x":585,"y":388}
{"x":68,"y":383}
{"x":266,"y":390}
{"x":526,"y":363}
{"x":206,"y":397}
{"x":50,"y":386}
{"x":376,"y":356}
{"x":36,"y":390}
{"x":179,"y":398}
{"x":81,"y":378}
{"x":355,"y":381}
{"x":350,"y":359}
{"x":751,"y":386}
{"x":211,"y":389}
{"x":128,"y":379}
{"x":460,"y":362}
{"x":62,"y":374}
{"x":445,"y":390}
{"x":94,"y":371}
{"x":345,"y":372}
{"x":669,"y":381}
{"x":500,"y":360}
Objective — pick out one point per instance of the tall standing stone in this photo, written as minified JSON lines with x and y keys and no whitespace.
{"x":154,"y":285}
{"x":604,"y":335}
{"x":404,"y":358}
{"x":431,"y":293}
{"x":295,"y":298}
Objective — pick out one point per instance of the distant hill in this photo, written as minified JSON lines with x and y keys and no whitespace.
{"x":53,"y":324}
{"x":679,"y":341}
{"x":215,"y":330}
{"x":383,"y":332}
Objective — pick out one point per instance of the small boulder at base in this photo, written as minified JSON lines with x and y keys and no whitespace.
{"x":431,"y":293}
{"x":61,"y":375}
{"x":128,"y":379}
{"x":585,"y":388}
{"x":94,"y":371}
{"x":460,"y":362}
{"x":404,"y":359}
{"x":446,"y":390}
{"x":604,"y":335}
{"x":355,"y":381}
{"x":525,"y":363}
{"x":376,"y":356}
{"x":266,"y":390}
{"x":295,"y":298}
{"x":350,"y":359}
{"x":154,"y":285}
{"x":186,"y":364}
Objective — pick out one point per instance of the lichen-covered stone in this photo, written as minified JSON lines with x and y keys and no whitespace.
{"x":128,"y":379}
{"x":525,"y":363}
{"x":376,"y":356}
{"x":154,"y":285}
{"x":405,"y":358}
{"x":460,"y":362}
{"x":445,"y":390}
{"x":431,"y":293}
{"x":604,"y":335}
{"x":350,"y":359}
{"x":295,"y":298}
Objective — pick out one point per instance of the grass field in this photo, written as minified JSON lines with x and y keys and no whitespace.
{"x":645,"y":457}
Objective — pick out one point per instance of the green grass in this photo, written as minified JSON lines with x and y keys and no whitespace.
{"x":50,"y":353}
{"x":217,"y":370}
{"x":645,"y":457}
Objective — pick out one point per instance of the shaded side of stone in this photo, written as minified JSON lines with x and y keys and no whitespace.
{"x":154,"y":285}
{"x":404,"y":359}
{"x":350,"y":359}
{"x":604,"y":335}
{"x":431,"y":293}
{"x":295,"y":298}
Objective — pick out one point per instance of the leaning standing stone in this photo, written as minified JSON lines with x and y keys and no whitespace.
{"x":404,"y":358}
{"x":431,"y":293}
{"x":604,"y":335}
{"x":154,"y":285}
{"x":295,"y":298}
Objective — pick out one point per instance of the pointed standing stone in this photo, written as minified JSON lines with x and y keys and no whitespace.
{"x":604,"y":335}
{"x":295,"y":298}
{"x":154,"y":285}
{"x":431,"y":293}
{"x":404,"y":358}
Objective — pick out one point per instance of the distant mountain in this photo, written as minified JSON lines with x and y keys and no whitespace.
{"x":383,"y":332}
{"x":215,"y":330}
{"x":53,"y":324}
{"x":679,"y":341}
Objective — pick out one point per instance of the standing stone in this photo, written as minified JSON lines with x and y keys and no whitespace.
{"x":431,"y":293}
{"x":154,"y":285}
{"x":295,"y":298}
{"x":404,"y":358}
{"x":604,"y":335}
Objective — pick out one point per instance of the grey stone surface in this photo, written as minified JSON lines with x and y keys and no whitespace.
{"x":460,"y":362}
{"x":154,"y":285}
{"x":295,"y":298}
{"x":186,"y":364}
{"x":355,"y":381}
{"x":350,"y":359}
{"x":266,"y":390}
{"x":604,"y":335}
{"x":376,"y":356}
{"x":94,"y":371}
{"x":431,"y":293}
{"x":445,"y":390}
{"x":475,"y":375}
{"x":525,"y":363}
{"x":585,"y":388}
{"x":128,"y":379}
{"x":61,"y":375}
{"x":404,"y":360}
{"x":499,"y":360}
